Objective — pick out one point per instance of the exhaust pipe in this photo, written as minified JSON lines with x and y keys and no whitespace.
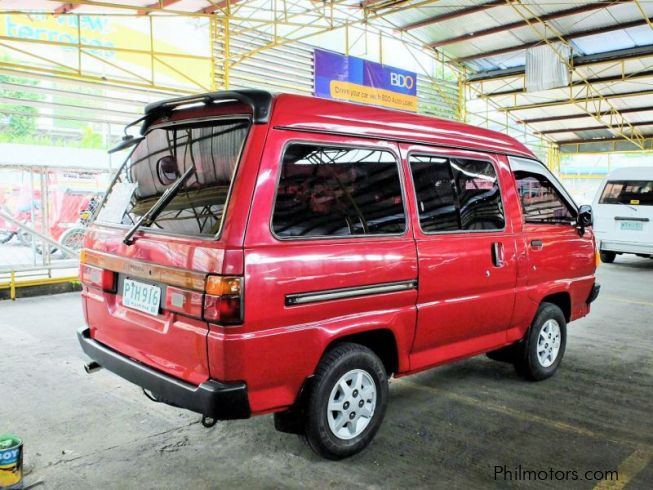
{"x":91,"y":367}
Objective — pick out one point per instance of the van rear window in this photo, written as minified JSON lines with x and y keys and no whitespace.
{"x":335,"y":191}
{"x":631,"y":192}
{"x":212,"y":149}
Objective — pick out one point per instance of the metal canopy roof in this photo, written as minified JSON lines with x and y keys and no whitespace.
{"x":610,"y":95}
{"x":608,"y":99}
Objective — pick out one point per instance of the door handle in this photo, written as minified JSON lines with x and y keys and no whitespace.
{"x":498,"y":254}
{"x":537,"y":244}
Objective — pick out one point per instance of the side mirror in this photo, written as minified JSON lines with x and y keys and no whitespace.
{"x":585,"y":216}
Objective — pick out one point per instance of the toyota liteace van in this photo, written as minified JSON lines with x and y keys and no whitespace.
{"x":286,"y":254}
{"x":624,"y":213}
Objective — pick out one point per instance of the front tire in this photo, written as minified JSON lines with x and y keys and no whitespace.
{"x":545,"y":344}
{"x":347,"y":401}
{"x":607,"y":257}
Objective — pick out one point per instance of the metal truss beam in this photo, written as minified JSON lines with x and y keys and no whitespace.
{"x":578,"y":99}
{"x":535,"y":120}
{"x":130,"y":8}
{"x":622,"y":77}
{"x":601,"y":140}
{"x":123,"y":74}
{"x":619,"y":55}
{"x":589,"y":128}
{"x":224,"y":4}
{"x":161,"y":4}
{"x":594,"y":103}
{"x":568,"y":36}
{"x":65,"y":8}
{"x":527,"y":21}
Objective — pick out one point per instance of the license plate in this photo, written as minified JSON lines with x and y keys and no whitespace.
{"x":141,"y":296}
{"x":631,"y":226}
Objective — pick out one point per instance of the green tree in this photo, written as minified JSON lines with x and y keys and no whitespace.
{"x":90,"y":139}
{"x":21,"y":119}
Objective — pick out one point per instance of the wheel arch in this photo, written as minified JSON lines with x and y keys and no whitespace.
{"x":381,"y":341}
{"x":562,"y":300}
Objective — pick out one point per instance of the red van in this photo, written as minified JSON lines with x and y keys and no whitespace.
{"x":285,"y":254}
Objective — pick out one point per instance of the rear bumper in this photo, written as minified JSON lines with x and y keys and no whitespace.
{"x":594,"y":293}
{"x":215,"y":399}
{"x":626,"y":247}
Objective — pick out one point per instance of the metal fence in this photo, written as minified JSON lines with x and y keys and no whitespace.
{"x":43,"y":214}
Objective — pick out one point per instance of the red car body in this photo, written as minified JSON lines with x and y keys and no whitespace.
{"x":454,"y":302}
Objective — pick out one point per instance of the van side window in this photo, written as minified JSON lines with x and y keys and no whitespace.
{"x":456,"y":194}
{"x":329,"y":191}
{"x":478,"y":195}
{"x":541,"y":202}
{"x":632,"y":192}
{"x":434,"y":188}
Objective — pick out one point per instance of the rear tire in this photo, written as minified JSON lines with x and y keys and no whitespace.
{"x":607,"y":257}
{"x":544,"y":345}
{"x":347,"y":401}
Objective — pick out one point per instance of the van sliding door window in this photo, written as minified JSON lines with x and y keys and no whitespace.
{"x":456,"y":194}
{"x":327,"y":191}
{"x":541,"y":201}
{"x":211,"y":149}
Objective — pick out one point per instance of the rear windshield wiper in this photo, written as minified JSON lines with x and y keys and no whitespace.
{"x":148,"y":218}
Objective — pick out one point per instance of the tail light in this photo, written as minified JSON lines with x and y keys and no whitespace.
{"x":223,"y":301}
{"x":98,"y":278}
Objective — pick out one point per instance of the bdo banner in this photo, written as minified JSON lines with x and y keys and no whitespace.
{"x":344,"y":77}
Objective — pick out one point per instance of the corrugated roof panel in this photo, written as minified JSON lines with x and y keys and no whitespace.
{"x":641,"y":116}
{"x":469,"y":24}
{"x":601,"y":43}
{"x":641,"y":35}
{"x":508,"y":60}
{"x":416,"y":14}
{"x":584,"y":21}
{"x":591,"y":134}
{"x":615,"y":67}
{"x":631,"y":102}
{"x":629,"y":10}
{"x":531,"y":98}
{"x":624,"y":87}
{"x":569,"y":136}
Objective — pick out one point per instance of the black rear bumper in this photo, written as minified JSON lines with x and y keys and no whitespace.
{"x":594,"y":293}
{"x":221,"y":401}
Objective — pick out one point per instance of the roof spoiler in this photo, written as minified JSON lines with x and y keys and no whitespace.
{"x":259,"y":101}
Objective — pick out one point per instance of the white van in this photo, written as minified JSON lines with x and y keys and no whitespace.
{"x":623,"y":213}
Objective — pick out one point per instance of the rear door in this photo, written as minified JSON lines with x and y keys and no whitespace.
{"x":466,"y":250}
{"x":624,"y":213}
{"x":153,"y":309}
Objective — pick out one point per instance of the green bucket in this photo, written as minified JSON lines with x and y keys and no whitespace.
{"x":11,"y":462}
